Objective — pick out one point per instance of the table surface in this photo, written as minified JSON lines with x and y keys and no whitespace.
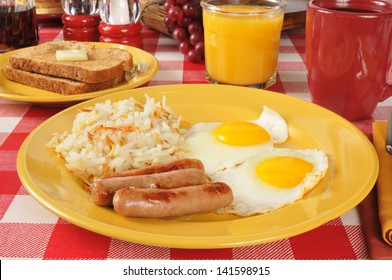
{"x":30,"y":231}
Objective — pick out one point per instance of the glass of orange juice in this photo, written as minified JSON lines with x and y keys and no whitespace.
{"x":241,"y":41}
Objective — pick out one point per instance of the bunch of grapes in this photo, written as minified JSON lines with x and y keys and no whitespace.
{"x":184,"y":20}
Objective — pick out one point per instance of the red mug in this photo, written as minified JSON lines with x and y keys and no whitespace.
{"x":349,"y":55}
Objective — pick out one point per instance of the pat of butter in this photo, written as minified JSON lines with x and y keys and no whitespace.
{"x":71,"y":55}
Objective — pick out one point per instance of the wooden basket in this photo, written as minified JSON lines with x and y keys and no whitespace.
{"x":153,"y":16}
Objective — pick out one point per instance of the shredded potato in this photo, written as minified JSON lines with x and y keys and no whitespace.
{"x":117,"y":136}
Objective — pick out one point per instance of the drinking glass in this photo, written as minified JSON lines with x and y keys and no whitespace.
{"x":242,"y":40}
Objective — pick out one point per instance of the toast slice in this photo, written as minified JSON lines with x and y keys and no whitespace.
{"x":55,"y":84}
{"x":103,"y":64}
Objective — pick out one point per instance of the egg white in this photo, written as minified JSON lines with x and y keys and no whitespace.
{"x":253,"y":196}
{"x":201,"y":143}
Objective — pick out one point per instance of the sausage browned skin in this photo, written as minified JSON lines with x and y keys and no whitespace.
{"x":102,"y":190}
{"x":165,"y":203}
{"x":164,"y":167}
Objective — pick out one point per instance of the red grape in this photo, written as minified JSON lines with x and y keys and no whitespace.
{"x":184,"y":22}
{"x":175,"y":13}
{"x":170,"y":23}
{"x":195,"y":38}
{"x":179,"y":34}
{"x":168,"y":4}
{"x":185,"y":47}
{"x":195,"y":27}
{"x":193,"y":56}
{"x":189,"y":10}
{"x":199,"y":49}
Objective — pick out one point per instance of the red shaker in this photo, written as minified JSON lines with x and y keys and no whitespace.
{"x":120,"y":22}
{"x":81,"y":20}
{"x":127,"y":34}
{"x":81,"y":27}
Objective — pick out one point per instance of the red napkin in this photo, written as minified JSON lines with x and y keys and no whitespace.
{"x":376,"y":209}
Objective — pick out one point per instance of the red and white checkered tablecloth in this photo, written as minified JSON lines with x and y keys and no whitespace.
{"x":29,"y":231}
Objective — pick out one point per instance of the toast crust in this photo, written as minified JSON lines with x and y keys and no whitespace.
{"x":103,"y":64}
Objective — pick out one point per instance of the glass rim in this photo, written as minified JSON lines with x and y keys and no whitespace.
{"x":378,"y":6}
{"x":272,"y":6}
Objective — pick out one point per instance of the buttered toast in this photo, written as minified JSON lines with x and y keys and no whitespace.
{"x":39,"y":67}
{"x":103,"y":63}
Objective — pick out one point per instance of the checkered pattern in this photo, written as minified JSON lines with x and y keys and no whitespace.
{"x":29,"y":231}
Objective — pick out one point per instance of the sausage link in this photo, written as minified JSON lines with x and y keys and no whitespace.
{"x":102,"y":190}
{"x":166,"y":203}
{"x":159,"y":168}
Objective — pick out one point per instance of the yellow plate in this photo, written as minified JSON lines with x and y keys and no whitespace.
{"x":145,"y":63}
{"x":354,"y":168}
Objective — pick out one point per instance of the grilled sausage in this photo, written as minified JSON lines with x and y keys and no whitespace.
{"x":165,"y":203}
{"x":164,"y":167}
{"x":102,"y":190}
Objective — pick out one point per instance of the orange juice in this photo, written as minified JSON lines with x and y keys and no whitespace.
{"x":241,"y":44}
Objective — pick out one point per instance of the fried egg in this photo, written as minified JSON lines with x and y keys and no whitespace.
{"x":273,"y":179}
{"x":218,"y":145}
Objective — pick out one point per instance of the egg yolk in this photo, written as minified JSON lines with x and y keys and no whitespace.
{"x":283,"y":172}
{"x":240,"y":133}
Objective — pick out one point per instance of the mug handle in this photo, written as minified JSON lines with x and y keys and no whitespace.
{"x":387,"y":92}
